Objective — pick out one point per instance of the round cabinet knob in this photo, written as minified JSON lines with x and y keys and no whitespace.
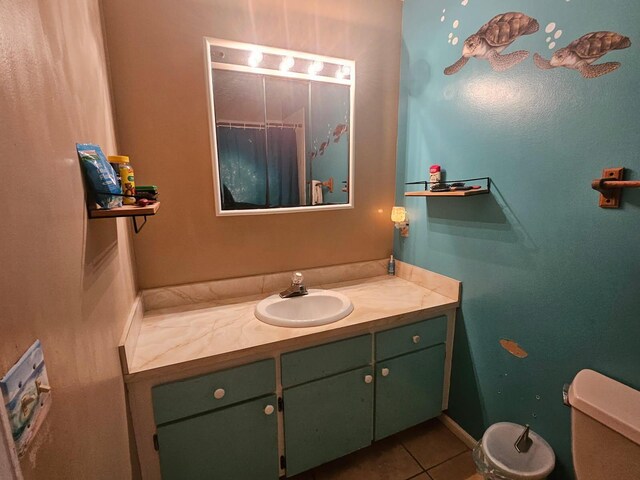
{"x":384,"y":372}
{"x":219,"y":393}
{"x":268,"y":410}
{"x":416,"y":339}
{"x":368,"y":378}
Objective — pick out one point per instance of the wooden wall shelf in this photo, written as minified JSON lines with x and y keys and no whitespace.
{"x":486,"y":188}
{"x":462,"y":193}
{"x":131,"y":211}
{"x":124,"y":211}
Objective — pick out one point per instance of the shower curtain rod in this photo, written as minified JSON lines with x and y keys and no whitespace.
{"x":257,"y":125}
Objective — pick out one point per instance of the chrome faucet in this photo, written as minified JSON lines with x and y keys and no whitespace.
{"x":297,"y":288}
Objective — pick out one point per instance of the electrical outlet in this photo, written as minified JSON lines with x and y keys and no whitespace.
{"x":26,"y":396}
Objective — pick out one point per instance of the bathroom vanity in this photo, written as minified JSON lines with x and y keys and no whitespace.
{"x":215,"y":393}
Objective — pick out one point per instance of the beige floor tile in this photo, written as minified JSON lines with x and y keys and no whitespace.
{"x":431,"y":443}
{"x":423,"y":476}
{"x":385,"y":460}
{"x":457,"y":468}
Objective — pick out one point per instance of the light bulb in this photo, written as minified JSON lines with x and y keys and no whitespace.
{"x":255,"y":58}
{"x":316,"y":67}
{"x":287,"y":64}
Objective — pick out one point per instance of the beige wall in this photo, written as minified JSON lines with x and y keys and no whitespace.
{"x":63,"y":279}
{"x":156,"y":56}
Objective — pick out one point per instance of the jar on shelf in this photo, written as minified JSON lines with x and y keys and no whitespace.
{"x":127,"y":178}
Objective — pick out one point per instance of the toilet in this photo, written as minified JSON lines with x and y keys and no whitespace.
{"x":605,"y":437}
{"x":605,"y":428}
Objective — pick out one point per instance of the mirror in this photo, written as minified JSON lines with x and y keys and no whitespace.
{"x":281,"y":129}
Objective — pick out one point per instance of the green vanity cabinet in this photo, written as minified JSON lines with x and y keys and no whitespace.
{"x":219,"y":426}
{"x":409,"y":375}
{"x":326,"y":418}
{"x":337,"y":398}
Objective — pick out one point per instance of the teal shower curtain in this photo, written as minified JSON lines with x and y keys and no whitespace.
{"x":243,"y":165}
{"x":250,"y":177}
{"x":283,"y":167}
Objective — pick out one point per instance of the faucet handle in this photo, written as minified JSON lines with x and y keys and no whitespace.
{"x":297,"y":278}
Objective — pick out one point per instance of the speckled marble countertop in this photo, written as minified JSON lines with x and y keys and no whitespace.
{"x":227,"y":328}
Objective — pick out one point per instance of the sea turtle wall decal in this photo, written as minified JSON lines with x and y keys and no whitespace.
{"x":493,"y":37}
{"x":581,"y":53}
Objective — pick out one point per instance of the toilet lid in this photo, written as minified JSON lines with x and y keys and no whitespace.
{"x":498,"y":446}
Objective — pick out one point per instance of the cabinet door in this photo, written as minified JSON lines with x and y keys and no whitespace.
{"x":408,"y":390}
{"x":238,"y":442}
{"x":327,"y":419}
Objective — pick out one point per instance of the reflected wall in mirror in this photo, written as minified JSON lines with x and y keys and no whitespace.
{"x":281,"y":129}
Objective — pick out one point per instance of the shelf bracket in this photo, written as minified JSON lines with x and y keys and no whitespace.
{"x":136,"y":227}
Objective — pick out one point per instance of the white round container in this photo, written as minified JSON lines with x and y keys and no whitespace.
{"x":496,"y":457}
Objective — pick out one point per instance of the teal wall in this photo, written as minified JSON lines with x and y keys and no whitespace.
{"x":540,"y":262}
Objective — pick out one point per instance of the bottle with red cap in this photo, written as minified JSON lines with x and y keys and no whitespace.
{"x":435,"y":175}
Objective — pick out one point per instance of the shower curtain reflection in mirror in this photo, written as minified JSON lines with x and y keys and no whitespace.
{"x":258,"y":170}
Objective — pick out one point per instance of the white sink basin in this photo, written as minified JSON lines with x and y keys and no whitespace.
{"x":319,"y":307}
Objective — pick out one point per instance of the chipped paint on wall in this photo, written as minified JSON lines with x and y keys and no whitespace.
{"x":513,"y":348}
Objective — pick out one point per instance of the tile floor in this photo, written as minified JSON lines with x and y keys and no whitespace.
{"x":426,"y":452}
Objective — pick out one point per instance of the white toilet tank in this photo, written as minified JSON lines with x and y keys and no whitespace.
{"x":605,"y":428}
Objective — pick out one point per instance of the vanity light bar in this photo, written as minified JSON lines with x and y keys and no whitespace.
{"x":268,"y":60}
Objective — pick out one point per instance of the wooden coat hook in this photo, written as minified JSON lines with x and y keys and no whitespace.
{"x":329,"y":184}
{"x":610,"y":186}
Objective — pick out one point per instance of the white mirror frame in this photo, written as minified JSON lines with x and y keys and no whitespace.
{"x":210,"y":65}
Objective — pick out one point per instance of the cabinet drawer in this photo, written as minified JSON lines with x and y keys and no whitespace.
{"x":176,"y":400}
{"x":409,"y":338}
{"x":318,"y":362}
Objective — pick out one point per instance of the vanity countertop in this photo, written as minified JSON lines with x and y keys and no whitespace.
{"x":189,"y":335}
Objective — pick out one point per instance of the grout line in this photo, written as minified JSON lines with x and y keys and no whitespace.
{"x":432,"y":466}
{"x":424,"y":470}
{"x":447,"y":460}
{"x":411,"y":455}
